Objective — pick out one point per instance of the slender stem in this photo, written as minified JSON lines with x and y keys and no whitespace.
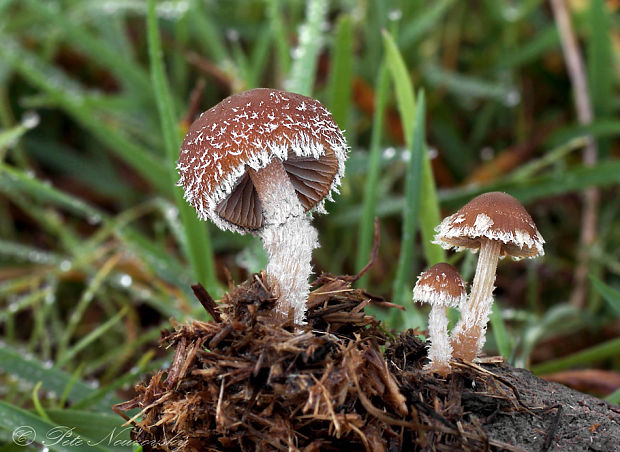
{"x":288,"y":238}
{"x":440,"y":350}
{"x":469,"y":333}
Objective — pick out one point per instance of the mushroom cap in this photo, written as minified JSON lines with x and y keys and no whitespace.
{"x":493,"y":216}
{"x":249,"y":129}
{"x":440,"y":285}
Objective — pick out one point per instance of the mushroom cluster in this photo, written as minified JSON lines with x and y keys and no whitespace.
{"x":496,"y":225}
{"x":257,"y":162}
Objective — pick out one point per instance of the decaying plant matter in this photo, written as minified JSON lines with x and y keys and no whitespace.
{"x":247,"y":382}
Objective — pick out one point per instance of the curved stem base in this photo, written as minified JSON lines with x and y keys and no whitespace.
{"x":469,"y":334}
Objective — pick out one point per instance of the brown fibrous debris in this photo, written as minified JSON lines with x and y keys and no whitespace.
{"x":252,"y":382}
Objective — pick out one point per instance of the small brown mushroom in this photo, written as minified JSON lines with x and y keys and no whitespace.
{"x":257,"y":162}
{"x":497,"y":225}
{"x":440,"y":286}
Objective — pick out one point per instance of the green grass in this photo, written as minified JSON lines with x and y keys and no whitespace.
{"x":98,"y":248}
{"x":369,"y":203}
{"x":195,"y":236}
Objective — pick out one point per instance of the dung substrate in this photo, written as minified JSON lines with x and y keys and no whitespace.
{"x":248,"y":382}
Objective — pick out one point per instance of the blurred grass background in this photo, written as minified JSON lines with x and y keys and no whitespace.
{"x":440,"y":101}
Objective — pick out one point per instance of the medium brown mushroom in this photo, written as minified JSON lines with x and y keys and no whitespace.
{"x":440,"y":286}
{"x":497,"y":225}
{"x":257,"y":162}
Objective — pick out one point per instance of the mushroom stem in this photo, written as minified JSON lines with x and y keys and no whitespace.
{"x":440,"y":350}
{"x":288,"y":238}
{"x":468,"y":335}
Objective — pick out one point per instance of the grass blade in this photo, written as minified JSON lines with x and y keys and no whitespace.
{"x":305,"y":56}
{"x":614,"y":397}
{"x":70,"y":97}
{"x":79,"y":310}
{"x":468,"y":86}
{"x":91,"y":337}
{"x":411,"y":211}
{"x":28,"y":368}
{"x":611,"y":295}
{"x":573,"y":180}
{"x":605,"y":350}
{"x":207,"y":33}
{"x":600,"y":66}
{"x":12,"y":179}
{"x":26,"y":426}
{"x":128,"y":71}
{"x":429,"y":205}
{"x":502,"y":339}
{"x":162,"y":263}
{"x":276,"y":24}
{"x":341,"y":74}
{"x":197,"y":244}
{"x":531,"y":50}
{"x":428,"y":19}
{"x":103,"y":429}
{"x":10,"y":137}
{"x":366,"y":224}
{"x":598,"y":129}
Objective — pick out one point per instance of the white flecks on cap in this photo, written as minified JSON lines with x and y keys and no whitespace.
{"x":438,"y":292}
{"x":247,"y":135}
{"x":483,"y":228}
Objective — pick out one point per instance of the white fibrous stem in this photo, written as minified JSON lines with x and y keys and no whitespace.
{"x":288,"y":238}
{"x":440,"y":350}
{"x":468,"y":335}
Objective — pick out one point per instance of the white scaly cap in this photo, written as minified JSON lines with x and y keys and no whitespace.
{"x":494,"y":216}
{"x":440,"y":285}
{"x":250,"y":129}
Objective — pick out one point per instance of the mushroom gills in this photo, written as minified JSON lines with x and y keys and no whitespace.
{"x":242,"y":207}
{"x":312,"y":178}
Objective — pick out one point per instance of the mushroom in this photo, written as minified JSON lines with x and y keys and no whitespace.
{"x":497,"y":225}
{"x":440,"y":286}
{"x":256,"y":163}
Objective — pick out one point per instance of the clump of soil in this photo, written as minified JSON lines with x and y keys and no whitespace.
{"x":247,"y":381}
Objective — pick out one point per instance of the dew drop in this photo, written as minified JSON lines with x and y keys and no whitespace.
{"x":125,"y":280}
{"x":389,"y":153}
{"x":232,"y":34}
{"x":30,"y":119}
{"x":487,"y":153}
{"x":512,"y":98}
{"x":65,"y":265}
{"x":395,"y":14}
{"x":93,"y":219}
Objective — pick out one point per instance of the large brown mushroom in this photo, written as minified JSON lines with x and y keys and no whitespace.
{"x":257,"y":162}
{"x":497,"y":225}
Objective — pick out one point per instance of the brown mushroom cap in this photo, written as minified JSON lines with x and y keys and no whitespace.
{"x":494,"y":216}
{"x":440,"y":285}
{"x":249,"y":129}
